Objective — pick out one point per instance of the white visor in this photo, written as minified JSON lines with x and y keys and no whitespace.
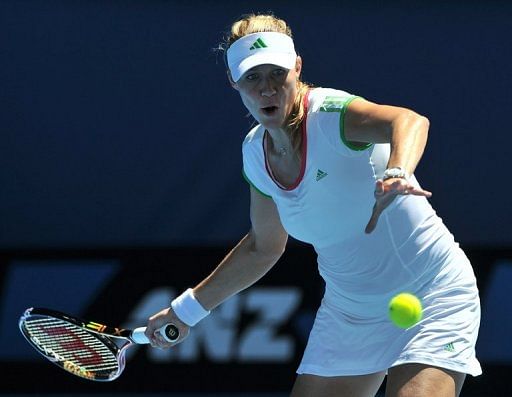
{"x":259,"y":49}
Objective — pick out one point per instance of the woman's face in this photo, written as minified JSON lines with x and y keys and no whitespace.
{"x":268,"y":92}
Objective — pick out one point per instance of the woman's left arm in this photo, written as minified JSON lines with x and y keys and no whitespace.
{"x":405,"y":131}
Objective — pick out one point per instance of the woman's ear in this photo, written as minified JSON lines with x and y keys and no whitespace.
{"x":298,"y":65}
{"x":231,"y":81}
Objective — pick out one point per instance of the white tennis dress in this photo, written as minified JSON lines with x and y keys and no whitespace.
{"x":410,"y":250}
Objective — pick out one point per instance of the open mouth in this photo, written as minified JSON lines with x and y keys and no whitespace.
{"x":269,"y":110}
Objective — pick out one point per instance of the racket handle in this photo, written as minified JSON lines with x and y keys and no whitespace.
{"x":169,"y":332}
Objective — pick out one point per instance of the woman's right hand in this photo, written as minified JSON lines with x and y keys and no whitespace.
{"x":159,"y":319}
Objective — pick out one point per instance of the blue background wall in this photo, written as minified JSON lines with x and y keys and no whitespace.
{"x":118,"y":126}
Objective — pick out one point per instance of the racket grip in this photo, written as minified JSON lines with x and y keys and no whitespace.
{"x":168,"y":331}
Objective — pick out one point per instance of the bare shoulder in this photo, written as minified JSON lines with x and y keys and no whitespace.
{"x":366,"y":121}
{"x":267,"y":229}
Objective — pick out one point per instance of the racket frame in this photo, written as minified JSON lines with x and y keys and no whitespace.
{"x":100,"y":331}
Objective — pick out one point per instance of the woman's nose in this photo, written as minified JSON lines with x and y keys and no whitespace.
{"x":267,"y":89}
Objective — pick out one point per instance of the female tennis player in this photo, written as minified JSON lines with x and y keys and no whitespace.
{"x":336,"y":170}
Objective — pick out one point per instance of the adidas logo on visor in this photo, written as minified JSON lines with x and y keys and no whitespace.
{"x":258,"y":44}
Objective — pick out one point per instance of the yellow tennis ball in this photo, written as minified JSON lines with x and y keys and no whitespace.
{"x":405,"y":310}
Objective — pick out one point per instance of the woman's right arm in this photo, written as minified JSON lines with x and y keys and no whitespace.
{"x":251,"y":258}
{"x":247,"y":262}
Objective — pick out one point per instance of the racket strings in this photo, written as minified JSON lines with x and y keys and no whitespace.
{"x":71,"y":344}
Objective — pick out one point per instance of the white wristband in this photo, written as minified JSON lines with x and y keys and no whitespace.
{"x":188,"y":309}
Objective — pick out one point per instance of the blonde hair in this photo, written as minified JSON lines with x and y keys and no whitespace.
{"x":253,"y":23}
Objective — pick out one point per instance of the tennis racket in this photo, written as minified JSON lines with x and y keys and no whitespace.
{"x":83,"y":348}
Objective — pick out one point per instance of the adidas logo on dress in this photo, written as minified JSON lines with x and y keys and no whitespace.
{"x":449,"y":347}
{"x":320,"y":174}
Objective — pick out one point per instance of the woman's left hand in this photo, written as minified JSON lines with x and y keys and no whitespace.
{"x":385,"y":193}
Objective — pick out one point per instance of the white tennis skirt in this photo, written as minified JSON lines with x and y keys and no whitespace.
{"x":340,"y":345}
